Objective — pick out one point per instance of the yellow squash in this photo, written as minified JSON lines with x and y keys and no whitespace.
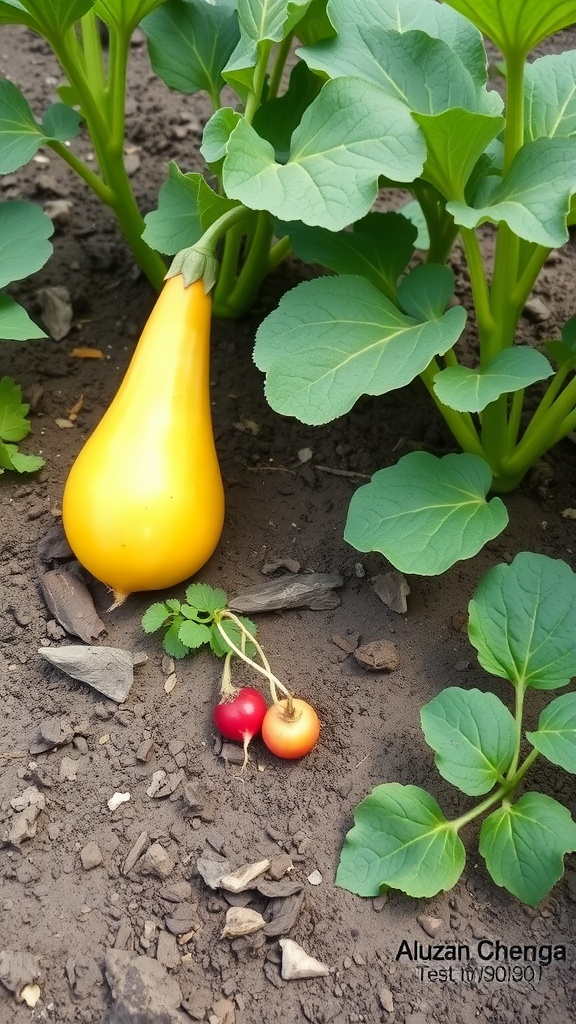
{"x":143,"y":506}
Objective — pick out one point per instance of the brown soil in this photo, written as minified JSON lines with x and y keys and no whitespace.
{"x":69,"y":916}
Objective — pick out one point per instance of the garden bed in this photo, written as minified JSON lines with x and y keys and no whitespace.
{"x":283,"y":502}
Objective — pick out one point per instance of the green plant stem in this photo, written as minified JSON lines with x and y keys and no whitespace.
{"x":275,"y":79}
{"x":264,"y":669}
{"x":461,"y":424}
{"x":503,"y":791}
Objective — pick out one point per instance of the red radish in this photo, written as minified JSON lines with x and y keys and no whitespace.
{"x":240,"y":717}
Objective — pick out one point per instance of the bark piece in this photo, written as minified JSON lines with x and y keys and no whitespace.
{"x":71,"y":604}
{"x":109,"y":670}
{"x":303,"y":590}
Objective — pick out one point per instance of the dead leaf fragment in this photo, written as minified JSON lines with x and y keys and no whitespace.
{"x":86,"y":352}
{"x":242,"y":921}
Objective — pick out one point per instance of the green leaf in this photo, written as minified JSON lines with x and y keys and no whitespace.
{"x":12,"y":12}
{"x":348,"y":136}
{"x":424,"y":513}
{"x":360,"y":45}
{"x":24,"y":245}
{"x":401,"y":840}
{"x":190,"y":42}
{"x":523,"y":621}
{"x":473,"y":735}
{"x":155,"y":617}
{"x":524,"y":845}
{"x":472,"y":390}
{"x":61,"y":122}
{"x":125,"y":15}
{"x":187,"y":206}
{"x":172,"y":643}
{"x":26,"y":463}
{"x":261,"y":22}
{"x":426,"y":291}
{"x":13,"y":423}
{"x":332,"y":340}
{"x":550,"y":97}
{"x":206,"y":599}
{"x":53,"y":17}
{"x":456,"y":139}
{"x":218,"y":643}
{"x":278,"y":118}
{"x":517,"y":26}
{"x":194,"y":634}
{"x":534,"y":196}
{"x":379,"y":247}
{"x":15,"y":324}
{"x":556,"y":733}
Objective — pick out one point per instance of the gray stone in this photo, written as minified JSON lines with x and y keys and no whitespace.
{"x":143,"y":992}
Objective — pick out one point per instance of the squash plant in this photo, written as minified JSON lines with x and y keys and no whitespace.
{"x":411,"y":76}
{"x":522,"y":623}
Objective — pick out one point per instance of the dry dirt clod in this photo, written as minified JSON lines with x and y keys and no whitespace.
{"x":297,"y":963}
{"x":378,"y":656}
{"x":242,"y":921}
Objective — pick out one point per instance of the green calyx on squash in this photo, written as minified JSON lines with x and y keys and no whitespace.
{"x":143,"y":505}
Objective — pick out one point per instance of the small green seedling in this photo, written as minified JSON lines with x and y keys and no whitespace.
{"x":522,"y":623}
{"x":14,"y":426}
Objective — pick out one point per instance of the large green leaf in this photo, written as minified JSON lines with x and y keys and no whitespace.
{"x":190,"y":41}
{"x":550,"y":96}
{"x":455,"y":139}
{"x":15,"y":324}
{"x":424,"y":513}
{"x":524,"y":845}
{"x":24,"y":245}
{"x":350,"y":135}
{"x":126,"y":14}
{"x":472,"y":390}
{"x":473,"y":735}
{"x":400,"y":840}
{"x":53,"y":17}
{"x":12,"y":12}
{"x":517,"y":26}
{"x":556,"y":733}
{"x":379,"y":247}
{"x":20,"y":134}
{"x":523,"y":621}
{"x":186,"y":208}
{"x":332,"y":340}
{"x":534,"y":196}
{"x":357,"y":48}
{"x":533,"y":199}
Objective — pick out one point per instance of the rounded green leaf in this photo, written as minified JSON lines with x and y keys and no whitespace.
{"x":556,"y":733}
{"x":523,"y":621}
{"x":332,"y":340}
{"x":349,"y":135}
{"x":472,"y":390}
{"x":473,"y":735}
{"x":517,"y":26}
{"x":425,"y":513}
{"x":400,"y":840}
{"x":524,"y":845}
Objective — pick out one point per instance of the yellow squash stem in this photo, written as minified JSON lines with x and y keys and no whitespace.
{"x":143,"y":506}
